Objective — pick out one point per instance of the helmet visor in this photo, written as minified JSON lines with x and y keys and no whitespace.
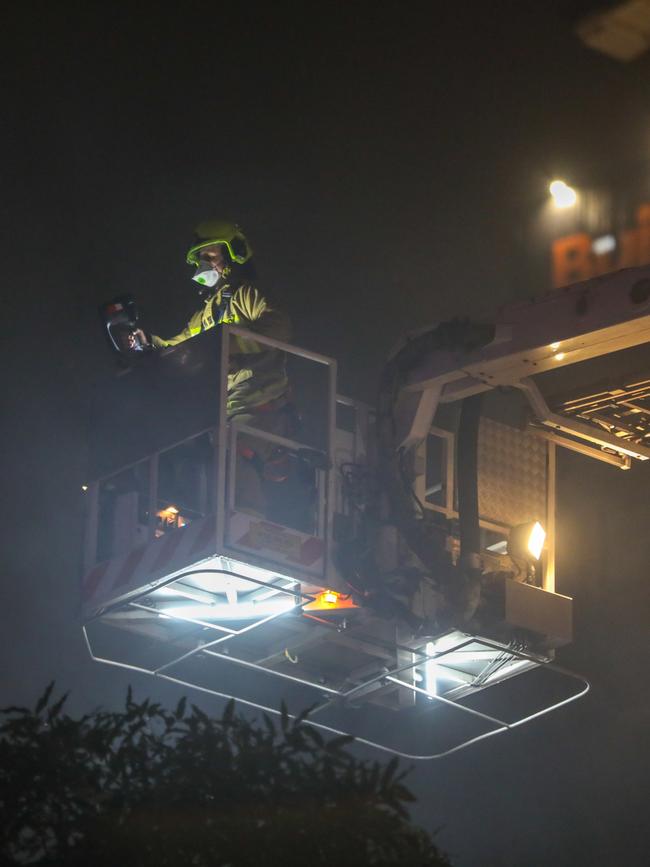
{"x":192,"y":257}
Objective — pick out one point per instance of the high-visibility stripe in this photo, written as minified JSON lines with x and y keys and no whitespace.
{"x":92,"y":579}
{"x":204,"y":536}
{"x":129,"y":566}
{"x":171,"y":541}
{"x":312,"y":549}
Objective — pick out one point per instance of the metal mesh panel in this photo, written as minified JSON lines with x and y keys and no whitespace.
{"x":512,"y":474}
{"x":622,"y":411}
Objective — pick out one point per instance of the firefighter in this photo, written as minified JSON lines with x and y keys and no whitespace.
{"x":258,"y":388}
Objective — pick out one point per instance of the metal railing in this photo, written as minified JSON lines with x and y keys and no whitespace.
{"x":330,"y":698}
{"x":224,"y":435}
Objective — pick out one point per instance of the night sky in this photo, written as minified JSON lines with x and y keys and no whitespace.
{"x":383,"y":159}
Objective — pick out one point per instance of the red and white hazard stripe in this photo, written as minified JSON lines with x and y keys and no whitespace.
{"x":112,"y":579}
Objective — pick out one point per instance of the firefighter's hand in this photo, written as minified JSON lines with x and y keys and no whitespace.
{"x":138,"y":338}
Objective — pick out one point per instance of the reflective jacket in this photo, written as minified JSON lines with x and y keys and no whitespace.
{"x":257,"y":374}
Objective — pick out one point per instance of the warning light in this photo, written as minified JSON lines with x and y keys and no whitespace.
{"x":330,"y":600}
{"x":168,"y":519}
{"x":168,"y":514}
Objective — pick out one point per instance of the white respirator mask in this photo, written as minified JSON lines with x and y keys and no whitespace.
{"x":205,"y":275}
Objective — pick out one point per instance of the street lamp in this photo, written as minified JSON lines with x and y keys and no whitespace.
{"x":564,"y":196}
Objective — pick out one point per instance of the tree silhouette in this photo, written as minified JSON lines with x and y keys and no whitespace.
{"x":149,"y":786}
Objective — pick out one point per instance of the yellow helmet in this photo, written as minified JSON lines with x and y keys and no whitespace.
{"x":220,"y":232}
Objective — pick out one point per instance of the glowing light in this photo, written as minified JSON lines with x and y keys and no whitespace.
{"x":431,"y":671}
{"x":328,"y":601}
{"x":170,"y":517}
{"x":84,"y":488}
{"x":559,"y":356}
{"x":555,"y":346}
{"x":564,"y":196}
{"x":603,"y":245}
{"x":536,"y":540}
{"x":195,"y":594}
{"x":168,"y":514}
{"x":527,"y":540}
{"x":513,"y":665}
{"x":238,"y":611}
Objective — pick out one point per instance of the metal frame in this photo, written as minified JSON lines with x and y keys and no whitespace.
{"x":350,"y":447}
{"x":574,"y":323}
{"x":576,"y":428}
{"x":548,"y":577}
{"x":448,"y":509}
{"x":329,"y":697}
{"x":623,"y":462}
{"x":223,"y":435}
{"x":92,"y":495}
{"x":401,"y":659}
{"x":568,"y":325}
{"x":228,"y":433}
{"x":449,"y":473}
{"x":235,"y":431}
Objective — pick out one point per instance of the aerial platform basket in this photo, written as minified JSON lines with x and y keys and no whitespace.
{"x":183,"y":582}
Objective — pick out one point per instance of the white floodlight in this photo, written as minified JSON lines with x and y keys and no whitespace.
{"x":433,"y":668}
{"x":536,"y":540}
{"x":431,"y":671}
{"x":237,"y":611}
{"x":527,"y":541}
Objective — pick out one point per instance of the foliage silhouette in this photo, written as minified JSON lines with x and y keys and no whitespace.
{"x":150,"y":786}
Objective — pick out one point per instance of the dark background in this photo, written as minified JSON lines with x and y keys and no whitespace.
{"x":387,"y":161}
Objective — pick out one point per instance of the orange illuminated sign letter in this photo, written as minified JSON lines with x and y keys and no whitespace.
{"x":572,"y":259}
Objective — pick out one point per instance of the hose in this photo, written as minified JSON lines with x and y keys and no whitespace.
{"x":467,"y":476}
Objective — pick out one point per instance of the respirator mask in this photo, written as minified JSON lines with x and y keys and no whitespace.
{"x":205,"y":275}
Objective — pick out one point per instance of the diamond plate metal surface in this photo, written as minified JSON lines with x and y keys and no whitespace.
{"x":512,"y":474}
